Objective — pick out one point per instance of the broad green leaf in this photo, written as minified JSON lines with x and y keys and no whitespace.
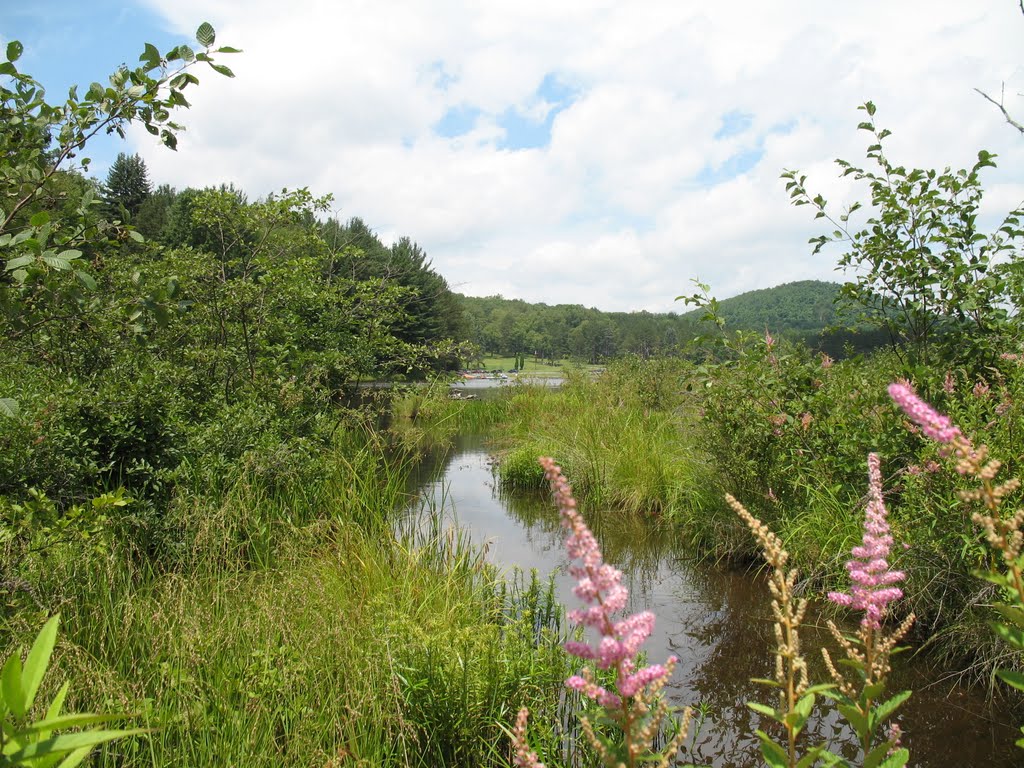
{"x":884,"y":710}
{"x":854,"y":717}
{"x":205,"y":35}
{"x":876,"y":755}
{"x":223,"y":70}
{"x":150,"y":57}
{"x":85,"y":279}
{"x":10,"y":685}
{"x":1011,"y":677}
{"x":9,"y":408}
{"x":1012,"y":613}
{"x":228,"y":49}
{"x":773,"y":754}
{"x":14,"y":50}
{"x":56,"y":261}
{"x":20,"y":261}
{"x":39,"y":219}
{"x":764,"y":709}
{"x":137,"y":236}
{"x":38,"y":660}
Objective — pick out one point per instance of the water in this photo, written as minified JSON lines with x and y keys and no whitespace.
{"x":717,"y":621}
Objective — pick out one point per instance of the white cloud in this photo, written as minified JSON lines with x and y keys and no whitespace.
{"x":343,"y":96}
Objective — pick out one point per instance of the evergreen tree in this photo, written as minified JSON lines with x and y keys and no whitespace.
{"x":127,"y":185}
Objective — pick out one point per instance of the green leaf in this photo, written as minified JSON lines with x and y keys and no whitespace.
{"x":10,"y":685}
{"x":897,"y":759}
{"x":135,"y":235}
{"x":39,"y":219}
{"x":9,"y":407}
{"x":85,"y":279}
{"x":75,"y":758}
{"x":205,"y":35}
{"x":66,"y":743}
{"x":20,"y":261}
{"x":1011,"y":677}
{"x":150,"y":56}
{"x":227,"y":49}
{"x":773,"y":754}
{"x":14,"y":50}
{"x":38,"y":660}
{"x":884,"y":710}
{"x":876,"y":755}
{"x":56,"y":261}
{"x":68,"y":721}
{"x":223,"y":70}
{"x":764,"y":709}
{"x":58,"y":702}
{"x":854,"y":717}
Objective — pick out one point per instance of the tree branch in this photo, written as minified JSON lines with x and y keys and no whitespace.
{"x":999,"y":103}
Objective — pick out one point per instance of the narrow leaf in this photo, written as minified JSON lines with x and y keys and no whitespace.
{"x":38,"y":660}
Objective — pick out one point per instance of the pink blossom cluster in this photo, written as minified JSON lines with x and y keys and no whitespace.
{"x":872,"y":580}
{"x":938,"y":427}
{"x":599,"y":586}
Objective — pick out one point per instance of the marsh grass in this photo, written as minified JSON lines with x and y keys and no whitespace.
{"x":296,"y":629}
{"x":621,"y":449}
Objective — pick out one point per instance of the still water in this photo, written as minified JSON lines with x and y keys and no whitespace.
{"x":717,"y":621}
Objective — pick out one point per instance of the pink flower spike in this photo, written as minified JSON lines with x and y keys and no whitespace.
{"x":524,"y":757}
{"x":938,"y":427}
{"x":599,"y":586}
{"x":871,"y":578}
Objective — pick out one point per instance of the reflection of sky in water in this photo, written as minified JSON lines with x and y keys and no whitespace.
{"x":718,"y":622}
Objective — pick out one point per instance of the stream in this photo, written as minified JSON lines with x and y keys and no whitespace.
{"x":716,"y":620}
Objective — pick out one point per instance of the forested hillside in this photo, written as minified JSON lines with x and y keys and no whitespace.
{"x":801,"y":311}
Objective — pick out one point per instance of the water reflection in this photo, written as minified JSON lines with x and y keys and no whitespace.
{"x":718,"y":622}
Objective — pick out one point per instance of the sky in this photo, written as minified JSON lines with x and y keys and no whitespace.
{"x":565,"y":151}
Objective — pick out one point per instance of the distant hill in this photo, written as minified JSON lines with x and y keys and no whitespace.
{"x":807,"y":305}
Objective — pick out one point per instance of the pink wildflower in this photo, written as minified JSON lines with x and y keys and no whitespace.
{"x":981,"y":388}
{"x":938,"y":427}
{"x":599,"y":586}
{"x":872,"y":580}
{"x":949,"y":383}
{"x":524,"y":757}
{"x":826,"y":361}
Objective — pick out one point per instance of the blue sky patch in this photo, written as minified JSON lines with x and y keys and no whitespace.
{"x":526,"y":131}
{"x":734,"y":123}
{"x":736,"y":165}
{"x":457,"y":121}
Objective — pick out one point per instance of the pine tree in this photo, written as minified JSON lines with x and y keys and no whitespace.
{"x":127,"y":185}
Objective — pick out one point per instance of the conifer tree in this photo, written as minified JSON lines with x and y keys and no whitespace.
{"x":127,"y":184}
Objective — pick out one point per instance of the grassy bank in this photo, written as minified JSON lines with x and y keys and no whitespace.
{"x":294,"y":629}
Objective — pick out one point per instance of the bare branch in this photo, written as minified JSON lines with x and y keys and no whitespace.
{"x":999,"y":103}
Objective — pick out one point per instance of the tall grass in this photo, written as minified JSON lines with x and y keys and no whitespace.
{"x":296,"y":629}
{"x":622,"y":442}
